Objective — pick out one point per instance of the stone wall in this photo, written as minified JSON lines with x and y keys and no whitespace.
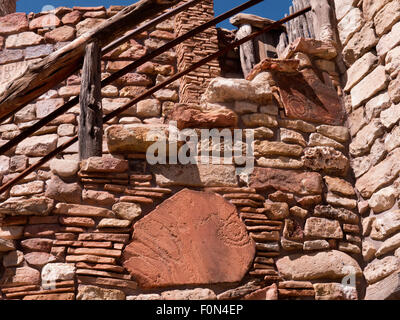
{"x":370,"y":38}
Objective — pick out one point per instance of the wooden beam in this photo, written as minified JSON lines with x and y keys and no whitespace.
{"x":40,"y":77}
{"x":91,"y":116}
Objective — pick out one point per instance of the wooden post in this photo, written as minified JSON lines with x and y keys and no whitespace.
{"x":91,"y":118}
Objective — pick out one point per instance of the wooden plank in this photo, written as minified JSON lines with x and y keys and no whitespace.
{"x":91,"y":116}
{"x":247,"y":52}
{"x":40,"y":77}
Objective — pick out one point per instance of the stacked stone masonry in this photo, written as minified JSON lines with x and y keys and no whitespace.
{"x":318,"y":211}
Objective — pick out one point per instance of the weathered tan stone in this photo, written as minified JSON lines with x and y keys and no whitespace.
{"x":317,"y":140}
{"x":371,"y":7}
{"x":376,"y":81}
{"x":342,"y":7}
{"x":86,"y":25}
{"x":313,"y":47}
{"x":195,"y":294}
{"x":287,"y":181}
{"x":195,"y":175}
{"x":58,"y":190}
{"x":389,"y":245}
{"x":365,"y":138}
{"x":316,"y":245}
{"x":268,"y":148}
{"x":64,"y":33}
{"x":334,"y":291}
{"x":392,"y":62}
{"x":321,"y":265}
{"x":379,"y":269}
{"x":337,"y":201}
{"x":82,"y":210}
{"x":368,"y":251}
{"x":127,"y":211}
{"x":389,"y":40}
{"x":379,"y":175}
{"x":64,"y":168}
{"x":27,"y":189}
{"x":326,"y":159}
{"x":298,"y":212}
{"x":39,"y":259}
{"x":387,"y":17}
{"x":340,"y":134}
{"x":323,"y":228}
{"x":23,"y":39}
{"x":385,"y":225}
{"x":390,"y":116}
{"x":280,"y":163}
{"x":37,"y":244}
{"x":376,"y":105}
{"x":383,"y":200}
{"x":225,"y":90}
{"x":22,"y":206}
{"x":53,"y":272}
{"x":299,"y":125}
{"x":360,"y":69}
{"x":290,"y":136}
{"x":6,"y":245}
{"x":104,"y":165}
{"x":113,"y":223}
{"x":259,"y":119}
{"x":38,"y":146}
{"x":394,"y":91}
{"x":148,"y":108}
{"x":360,"y":43}
{"x":178,"y":245}
{"x":44,"y":21}
{"x":386,"y":289}
{"x":339,"y":186}
{"x":351,"y":23}
{"x":276,"y":210}
{"x":98,"y":198}
{"x":89,"y":292}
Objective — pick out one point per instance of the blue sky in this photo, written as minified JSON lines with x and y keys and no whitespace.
{"x":273,"y":9}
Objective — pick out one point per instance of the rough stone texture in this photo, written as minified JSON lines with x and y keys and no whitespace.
{"x":39,"y":259}
{"x":195,"y":175}
{"x":6,"y":245}
{"x":22,"y":40}
{"x":177,"y":229}
{"x":286,"y":181}
{"x":339,"y":186}
{"x":317,"y":139}
{"x":37,"y":146}
{"x":376,"y":81}
{"x":105,"y":164}
{"x":334,"y":291}
{"x":392,"y":62}
{"x":387,"y":17}
{"x":127,"y":211}
{"x":383,"y":200}
{"x":385,"y":225}
{"x":389,"y":40}
{"x":360,"y":43}
{"x":321,"y":265}
{"x":381,"y":174}
{"x":267,"y":148}
{"x":225,"y":90}
{"x":337,"y":133}
{"x":336,"y":213}
{"x":350,"y":24}
{"x":13,"y":259}
{"x":377,"y":104}
{"x":389,"y":245}
{"x":379,"y":269}
{"x":205,"y":118}
{"x":365,"y":138}
{"x":326,"y":159}
{"x":390,"y":116}
{"x":58,"y":271}
{"x":195,"y":294}
{"x":394,"y":91}
{"x":58,"y":190}
{"x":387,"y":289}
{"x":323,"y":228}
{"x":88,"y":292}
{"x":22,"y":206}
{"x":64,"y":168}
{"x":360,"y":69}
{"x":20,"y":276}
{"x":13,"y":23}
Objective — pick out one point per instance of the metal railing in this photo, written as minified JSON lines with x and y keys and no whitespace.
{"x":12,"y":143}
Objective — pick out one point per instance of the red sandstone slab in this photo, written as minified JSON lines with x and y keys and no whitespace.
{"x":192,"y":238}
{"x":307,"y":98}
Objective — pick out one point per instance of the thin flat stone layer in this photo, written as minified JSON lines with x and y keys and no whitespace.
{"x":193,"y":238}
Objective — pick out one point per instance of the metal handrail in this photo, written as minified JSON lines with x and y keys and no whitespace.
{"x":151,"y":91}
{"x":115,"y":76}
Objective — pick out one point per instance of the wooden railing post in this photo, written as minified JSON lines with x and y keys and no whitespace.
{"x":91,"y":118}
